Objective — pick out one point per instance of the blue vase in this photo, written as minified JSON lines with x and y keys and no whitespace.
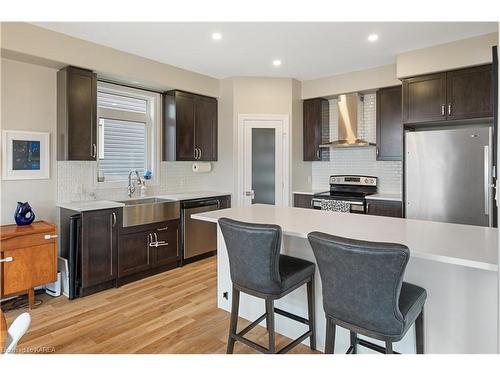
{"x":24,"y":214}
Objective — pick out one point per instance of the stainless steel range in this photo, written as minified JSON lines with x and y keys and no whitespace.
{"x":347,"y":194}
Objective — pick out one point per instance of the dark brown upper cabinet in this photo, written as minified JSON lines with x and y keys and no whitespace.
{"x":389,"y":124}
{"x":76,"y":114}
{"x":469,"y":93}
{"x":316,"y":114}
{"x":424,"y":98}
{"x":454,"y":95}
{"x":189,"y":127}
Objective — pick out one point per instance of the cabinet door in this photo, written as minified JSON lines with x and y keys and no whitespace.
{"x":185,"y":128}
{"x":167,"y":249}
{"x":81,"y":114}
{"x":302,"y":200}
{"x":206,"y":128}
{"x":30,"y":267}
{"x":99,"y":246}
{"x":134,"y":253}
{"x":313,"y":119}
{"x":469,"y":93}
{"x":424,"y":98}
{"x":384,"y":208}
{"x":389,"y":124}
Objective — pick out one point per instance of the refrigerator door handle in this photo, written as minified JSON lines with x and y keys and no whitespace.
{"x":486,"y":182}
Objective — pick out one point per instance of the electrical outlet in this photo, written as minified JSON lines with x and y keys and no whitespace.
{"x":225,"y":295}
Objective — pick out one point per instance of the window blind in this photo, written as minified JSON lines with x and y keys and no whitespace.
{"x":121,"y":102}
{"x":124,"y":147}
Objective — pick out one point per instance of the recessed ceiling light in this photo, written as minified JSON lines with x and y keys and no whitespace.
{"x":216,"y":36}
{"x":277,"y":62}
{"x":373,"y":37}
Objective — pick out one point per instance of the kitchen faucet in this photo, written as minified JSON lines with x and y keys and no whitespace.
{"x":131,"y":186}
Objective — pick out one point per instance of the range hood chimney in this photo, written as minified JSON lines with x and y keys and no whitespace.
{"x":348,"y":123}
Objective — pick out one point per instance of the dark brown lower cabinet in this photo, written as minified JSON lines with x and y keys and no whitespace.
{"x":99,"y":249}
{"x":384,"y":208}
{"x":302,"y":200}
{"x":147,"y":249}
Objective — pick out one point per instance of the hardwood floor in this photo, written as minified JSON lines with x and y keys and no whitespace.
{"x":173,"y":312}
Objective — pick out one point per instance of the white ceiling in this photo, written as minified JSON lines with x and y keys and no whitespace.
{"x":307,"y":50}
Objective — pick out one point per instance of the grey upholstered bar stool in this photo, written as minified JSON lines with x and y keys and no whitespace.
{"x":364,"y":292}
{"x":257,"y":268}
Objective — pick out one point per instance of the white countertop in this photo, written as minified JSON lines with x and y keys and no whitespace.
{"x":465,"y":245}
{"x":90,"y":205}
{"x":309,"y":191}
{"x":93,"y":205}
{"x":192,"y":195}
{"x":385,"y":197}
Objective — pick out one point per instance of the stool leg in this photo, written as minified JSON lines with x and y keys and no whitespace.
{"x":311,"y":313}
{"x":419,"y":332}
{"x":270,"y":324}
{"x":388,"y":347}
{"x":354,"y":342}
{"x":330,"y":336}
{"x":235,"y":304}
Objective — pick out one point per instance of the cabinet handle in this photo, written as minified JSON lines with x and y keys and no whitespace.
{"x":377,"y":151}
{"x":150,"y":238}
{"x":443,"y":109}
{"x":199,"y":157}
{"x":49,"y":236}
{"x":195,"y":153}
{"x":113,"y":219}
{"x":449,"y":109}
{"x":162,"y":229}
{"x":6,"y":260}
{"x":318,"y":155}
{"x":94,"y":150}
{"x":161,"y":243}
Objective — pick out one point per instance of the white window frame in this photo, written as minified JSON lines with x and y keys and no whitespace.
{"x":153,"y":128}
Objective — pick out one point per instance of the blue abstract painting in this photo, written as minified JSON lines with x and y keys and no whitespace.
{"x":25,"y":155}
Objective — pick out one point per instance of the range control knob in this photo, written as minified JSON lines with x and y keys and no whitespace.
{"x":366,"y":181}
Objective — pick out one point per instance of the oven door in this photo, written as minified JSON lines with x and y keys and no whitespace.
{"x":356,"y":206}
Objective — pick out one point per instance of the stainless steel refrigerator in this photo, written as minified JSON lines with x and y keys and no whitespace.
{"x":448,"y":175}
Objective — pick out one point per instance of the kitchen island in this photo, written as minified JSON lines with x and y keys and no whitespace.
{"x":456,"y":264}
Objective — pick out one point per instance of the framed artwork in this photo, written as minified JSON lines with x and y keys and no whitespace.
{"x":25,"y":155}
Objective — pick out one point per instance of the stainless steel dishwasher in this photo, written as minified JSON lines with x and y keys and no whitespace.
{"x":198,"y":237}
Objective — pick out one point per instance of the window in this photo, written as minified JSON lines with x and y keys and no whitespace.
{"x":128,"y":131}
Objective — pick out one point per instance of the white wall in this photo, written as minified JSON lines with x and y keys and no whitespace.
{"x":22,"y":40}
{"x":448,"y":56}
{"x":29,"y":103}
{"x":362,"y":80}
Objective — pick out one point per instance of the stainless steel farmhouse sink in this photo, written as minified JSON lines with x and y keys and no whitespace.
{"x":149,"y":210}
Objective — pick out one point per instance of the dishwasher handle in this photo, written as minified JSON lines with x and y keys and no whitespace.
{"x":201,"y":203}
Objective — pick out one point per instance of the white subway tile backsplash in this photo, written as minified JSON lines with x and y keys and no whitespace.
{"x":358,"y":160}
{"x":77,"y":181}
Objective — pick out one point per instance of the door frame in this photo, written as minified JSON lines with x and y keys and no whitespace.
{"x":285,"y":120}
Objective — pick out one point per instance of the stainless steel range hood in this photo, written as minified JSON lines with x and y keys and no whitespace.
{"x":348,"y":123}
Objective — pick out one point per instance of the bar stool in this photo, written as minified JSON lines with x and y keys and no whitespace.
{"x":257,"y":268}
{"x":364,"y":292}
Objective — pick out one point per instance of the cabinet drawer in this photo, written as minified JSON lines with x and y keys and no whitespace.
{"x":30,"y":267}
{"x":29,"y":240}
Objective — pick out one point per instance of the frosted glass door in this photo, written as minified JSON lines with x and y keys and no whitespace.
{"x":264,"y":165}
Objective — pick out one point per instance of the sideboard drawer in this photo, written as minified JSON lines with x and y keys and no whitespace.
{"x":29,"y":240}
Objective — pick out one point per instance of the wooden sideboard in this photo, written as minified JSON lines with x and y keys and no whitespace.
{"x":28,"y":258}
